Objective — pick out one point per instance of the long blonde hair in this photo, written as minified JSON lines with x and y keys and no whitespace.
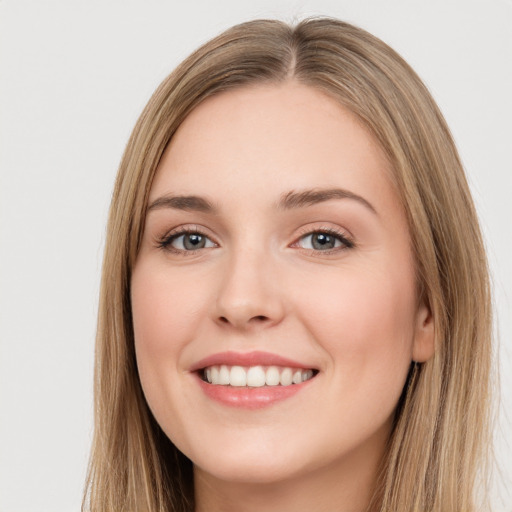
{"x":440,"y":439}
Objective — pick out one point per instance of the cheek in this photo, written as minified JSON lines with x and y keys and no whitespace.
{"x":165,"y":309}
{"x":364,"y":320}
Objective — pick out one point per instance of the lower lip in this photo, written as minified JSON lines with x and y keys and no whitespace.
{"x":251,"y":398}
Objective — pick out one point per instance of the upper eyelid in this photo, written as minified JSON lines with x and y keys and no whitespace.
{"x":187,"y":229}
{"x":183,"y":230}
{"x":327,"y":229}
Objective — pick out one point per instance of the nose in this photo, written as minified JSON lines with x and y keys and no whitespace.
{"x":250,"y":296}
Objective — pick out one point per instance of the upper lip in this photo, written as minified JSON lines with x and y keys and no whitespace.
{"x":255,"y":358}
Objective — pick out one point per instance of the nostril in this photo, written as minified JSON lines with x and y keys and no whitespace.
{"x":244,"y":320}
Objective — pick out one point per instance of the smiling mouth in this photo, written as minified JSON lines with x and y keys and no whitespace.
{"x":255,"y":376}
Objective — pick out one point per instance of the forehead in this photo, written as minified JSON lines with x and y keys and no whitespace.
{"x":259,"y":141}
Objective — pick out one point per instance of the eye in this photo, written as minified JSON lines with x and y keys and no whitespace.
{"x":324,"y":240}
{"x":186,"y":241}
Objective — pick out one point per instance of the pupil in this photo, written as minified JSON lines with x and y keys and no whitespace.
{"x":322,"y":241}
{"x":193,"y":241}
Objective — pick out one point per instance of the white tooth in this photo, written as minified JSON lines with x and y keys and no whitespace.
{"x":255,"y":376}
{"x":237,"y":376}
{"x":215,"y":374}
{"x":224,"y":375}
{"x":286,"y":377}
{"x":272,"y":376}
{"x":297,"y":377}
{"x":306,"y":375}
{"x":208,"y":374}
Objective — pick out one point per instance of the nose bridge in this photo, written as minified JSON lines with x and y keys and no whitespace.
{"x":248,"y":292}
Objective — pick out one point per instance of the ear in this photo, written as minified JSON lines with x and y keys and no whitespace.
{"x":424,"y":336}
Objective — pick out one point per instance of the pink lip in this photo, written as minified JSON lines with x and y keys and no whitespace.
{"x":245,"y":397}
{"x":250,"y":398}
{"x":247,"y":359}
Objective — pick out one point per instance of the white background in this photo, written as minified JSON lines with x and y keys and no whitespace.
{"x":73,"y":78}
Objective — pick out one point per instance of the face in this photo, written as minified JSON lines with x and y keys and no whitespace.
{"x":274,"y":297}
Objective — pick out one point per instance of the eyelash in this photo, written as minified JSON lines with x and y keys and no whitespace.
{"x":165,"y":242}
{"x":346,"y":241}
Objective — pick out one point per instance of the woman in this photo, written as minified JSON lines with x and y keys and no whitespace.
{"x":295,"y":302}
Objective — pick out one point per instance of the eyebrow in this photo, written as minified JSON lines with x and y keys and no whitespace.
{"x":288,"y":201}
{"x":301,"y":199}
{"x":188,"y":203}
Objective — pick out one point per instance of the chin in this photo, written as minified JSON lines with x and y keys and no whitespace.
{"x":250,"y":472}
{"x":257,"y":463}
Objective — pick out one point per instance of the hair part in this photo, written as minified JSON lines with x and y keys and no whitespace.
{"x":441,"y":433}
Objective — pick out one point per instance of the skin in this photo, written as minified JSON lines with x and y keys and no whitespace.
{"x":352,"y":313}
